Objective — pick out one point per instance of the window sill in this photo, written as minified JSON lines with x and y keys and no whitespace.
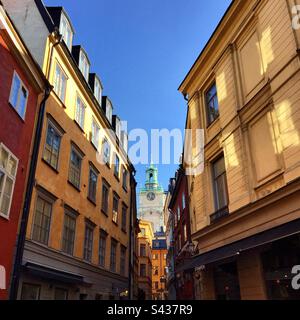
{"x":73,"y":185}
{"x":93,"y":145}
{"x":49,"y":165}
{"x":125,"y":189}
{"x":124,"y":231}
{"x":105,"y":213}
{"x":115,"y":223}
{"x":3,"y":216}
{"x":219,"y":215}
{"x":117,"y":177}
{"x":78,"y":125}
{"x":92,"y":201}
{"x":59,"y":99}
{"x":209,"y":125}
{"x":17,"y":113}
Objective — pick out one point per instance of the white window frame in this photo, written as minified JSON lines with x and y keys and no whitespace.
{"x":106,"y":160}
{"x":22,"y":86}
{"x":2,"y":278}
{"x":98,"y":91}
{"x":84,"y":65}
{"x":95,"y":134}
{"x":80,"y":121}
{"x":13,"y":178}
{"x":62,"y":31}
{"x":118,"y":128}
{"x":58,"y":90}
{"x":109,"y":111}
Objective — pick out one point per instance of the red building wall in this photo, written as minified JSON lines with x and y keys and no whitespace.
{"x":16,"y":134}
{"x":184,"y":283}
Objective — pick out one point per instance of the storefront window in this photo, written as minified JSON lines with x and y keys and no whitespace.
{"x":227,"y":282}
{"x":278,"y":261}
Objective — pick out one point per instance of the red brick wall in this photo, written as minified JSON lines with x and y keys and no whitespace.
{"x":16,"y":135}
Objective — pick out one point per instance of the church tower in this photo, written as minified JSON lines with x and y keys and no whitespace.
{"x":152,"y":199}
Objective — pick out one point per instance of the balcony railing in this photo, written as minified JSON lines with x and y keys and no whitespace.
{"x":224,"y":212}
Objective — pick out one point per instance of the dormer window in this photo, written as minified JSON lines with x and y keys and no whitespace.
{"x":109,"y":111}
{"x":84,"y":65}
{"x":124,"y":140}
{"x":66,"y":31}
{"x":118,"y":127}
{"x":98,"y":91}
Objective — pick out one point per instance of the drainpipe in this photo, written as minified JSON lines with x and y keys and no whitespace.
{"x":13,"y":295}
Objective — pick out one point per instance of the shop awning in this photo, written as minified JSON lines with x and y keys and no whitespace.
{"x":53,"y":274}
{"x":240,"y":246}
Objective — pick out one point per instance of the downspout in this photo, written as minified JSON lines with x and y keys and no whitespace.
{"x":13,"y":295}
{"x":131,"y":235}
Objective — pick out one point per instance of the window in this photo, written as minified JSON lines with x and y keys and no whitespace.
{"x":42,"y":219}
{"x":95,"y":134}
{"x":117,"y":166}
{"x":123,"y":261}
{"x":92,"y":184}
{"x":143,"y":270}
{"x":115,"y":208}
{"x":212,"y":104}
{"x":143,"y":231}
{"x":30,"y":292}
{"x":178,"y":213}
{"x":220,"y":184}
{"x":66,"y":31}
{"x":184,"y":233}
{"x":155,"y":257}
{"x":113,"y":255}
{"x":75,"y":167}
{"x":124,"y":141}
{"x":155,"y":271}
{"x":60,"y":83}
{"x":8,"y":172}
{"x":88,"y":243}
{"x":183,"y":201}
{"x":18,"y":95}
{"x":84,"y":65}
{"x":98,"y":91}
{"x":105,"y":195}
{"x":124,"y":218}
{"x":118,"y":128}
{"x":124,"y":173}
{"x":143,"y":250}
{"x":109,"y":111}
{"x":156,"y":285}
{"x":60,"y":294}
{"x":179,"y":242}
{"x":106,"y":152}
{"x":52,"y":146}
{"x":165,"y":258}
{"x":69,"y":233}
{"x":80,"y":113}
{"x":102,"y":248}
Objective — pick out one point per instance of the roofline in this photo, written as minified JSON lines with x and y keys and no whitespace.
{"x":30,"y":56}
{"x":180,"y":88}
{"x":45,"y":15}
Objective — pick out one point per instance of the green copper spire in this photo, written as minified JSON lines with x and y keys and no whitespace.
{"x":152,"y":180}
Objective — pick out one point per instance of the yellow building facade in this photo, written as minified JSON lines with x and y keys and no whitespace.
{"x":159,"y":271}
{"x":243,"y":92}
{"x":79,"y":227}
{"x":144,"y":244}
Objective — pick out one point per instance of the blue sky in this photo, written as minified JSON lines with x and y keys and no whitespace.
{"x":142,"y":50}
